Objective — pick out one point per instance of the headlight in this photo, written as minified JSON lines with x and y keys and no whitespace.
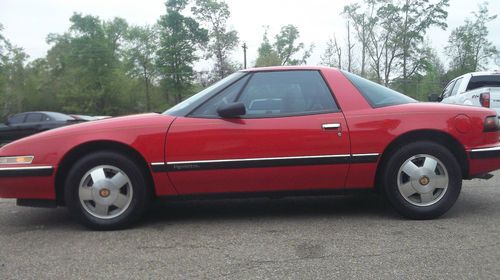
{"x":17,"y":160}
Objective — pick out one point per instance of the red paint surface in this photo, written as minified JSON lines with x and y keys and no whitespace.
{"x":364,"y":130}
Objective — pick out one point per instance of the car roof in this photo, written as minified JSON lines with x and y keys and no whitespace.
{"x":285,"y":68}
{"x":486,"y":73}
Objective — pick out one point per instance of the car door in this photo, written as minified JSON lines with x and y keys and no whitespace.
{"x":292,"y":137}
{"x":14,"y":130}
{"x":31,"y":124}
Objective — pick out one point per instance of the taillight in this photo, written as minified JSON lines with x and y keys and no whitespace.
{"x":491,"y":124}
{"x":484,"y":99}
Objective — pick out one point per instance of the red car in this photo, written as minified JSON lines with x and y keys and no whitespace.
{"x":268,"y":131}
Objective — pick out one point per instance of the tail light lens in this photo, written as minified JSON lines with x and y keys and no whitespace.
{"x":491,"y":124}
{"x":484,"y":99}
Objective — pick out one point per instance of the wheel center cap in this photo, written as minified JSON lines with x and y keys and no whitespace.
{"x":104,"y":193}
{"x":424,"y":180}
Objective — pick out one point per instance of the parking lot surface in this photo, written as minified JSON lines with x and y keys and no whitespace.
{"x":343,"y":237}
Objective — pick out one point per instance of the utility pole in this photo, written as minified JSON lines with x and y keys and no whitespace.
{"x":245,"y":55}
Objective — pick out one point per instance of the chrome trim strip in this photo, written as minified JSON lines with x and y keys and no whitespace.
{"x":366,"y":155}
{"x":255,"y":159}
{"x":485,"y":153}
{"x":27,"y":168}
{"x":157,"y":163}
{"x":485,"y":149}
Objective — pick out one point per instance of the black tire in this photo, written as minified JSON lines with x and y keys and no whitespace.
{"x":443,"y":198}
{"x":136,"y":188}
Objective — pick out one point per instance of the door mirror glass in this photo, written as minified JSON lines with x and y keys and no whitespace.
{"x":232,"y":110}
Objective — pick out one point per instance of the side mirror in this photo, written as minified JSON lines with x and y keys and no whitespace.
{"x":434,"y":97}
{"x":232,"y":110}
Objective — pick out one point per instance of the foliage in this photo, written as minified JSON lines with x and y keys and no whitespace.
{"x":140,"y":57}
{"x":267,"y":56}
{"x":284,"y":49}
{"x":180,"y":36}
{"x":468,"y":47}
{"x":106,"y":67}
{"x":215,"y":14}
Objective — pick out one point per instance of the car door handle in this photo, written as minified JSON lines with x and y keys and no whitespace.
{"x":331,"y":126}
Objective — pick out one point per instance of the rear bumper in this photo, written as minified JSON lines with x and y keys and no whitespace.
{"x":484,"y":160}
{"x":27,"y":182}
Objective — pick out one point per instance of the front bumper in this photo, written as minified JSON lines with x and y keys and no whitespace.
{"x":27,"y":182}
{"x":483,"y":160}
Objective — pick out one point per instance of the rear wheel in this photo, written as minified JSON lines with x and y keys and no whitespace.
{"x":106,"y":191}
{"x":422,"y":180}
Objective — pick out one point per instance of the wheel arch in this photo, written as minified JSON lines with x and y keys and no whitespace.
{"x":440,"y":137}
{"x":72,"y":156}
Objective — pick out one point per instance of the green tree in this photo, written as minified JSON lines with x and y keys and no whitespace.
{"x":284,"y":50}
{"x":363,"y":22}
{"x":215,"y":14}
{"x":12,"y":77}
{"x":287,"y":47}
{"x":468,"y":47}
{"x":332,"y":57}
{"x":179,"y":38}
{"x":267,"y":56}
{"x":417,"y":17}
{"x":142,"y":45}
{"x":87,"y":65}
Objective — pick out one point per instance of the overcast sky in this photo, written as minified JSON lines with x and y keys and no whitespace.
{"x":27,"y":22}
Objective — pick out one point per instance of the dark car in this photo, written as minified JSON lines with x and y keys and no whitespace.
{"x":28,"y":123}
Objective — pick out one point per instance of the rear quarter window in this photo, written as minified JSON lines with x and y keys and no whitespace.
{"x":377,"y":95}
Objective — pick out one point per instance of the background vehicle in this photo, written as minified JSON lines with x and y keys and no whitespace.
{"x":270,"y":131}
{"x":480,"y":89}
{"x":23,"y":124}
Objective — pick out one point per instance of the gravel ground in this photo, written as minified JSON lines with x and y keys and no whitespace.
{"x":346,"y":237}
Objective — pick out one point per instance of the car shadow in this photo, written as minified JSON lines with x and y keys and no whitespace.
{"x":268,"y":208}
{"x":367,"y":206}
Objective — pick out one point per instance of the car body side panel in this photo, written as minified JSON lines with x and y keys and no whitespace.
{"x":196,"y":139}
{"x":372,"y":130}
{"x":144,"y":133}
{"x":28,"y":187}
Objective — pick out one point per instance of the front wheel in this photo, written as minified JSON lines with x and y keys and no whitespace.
{"x":106,"y":191}
{"x":422,"y":180}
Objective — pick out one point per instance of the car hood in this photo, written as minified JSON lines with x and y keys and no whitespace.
{"x":129,"y":123}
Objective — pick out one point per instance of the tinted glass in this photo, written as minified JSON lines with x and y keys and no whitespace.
{"x":34,"y":117}
{"x":448,"y":89}
{"x":484,"y":81}
{"x":228,"y":95}
{"x":377,"y":95}
{"x":188,"y":105}
{"x":284,"y":93}
{"x":59,"y":116}
{"x":456,"y":86}
{"x":19,"y":118}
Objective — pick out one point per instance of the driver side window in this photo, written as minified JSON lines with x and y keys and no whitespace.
{"x":447,"y":91}
{"x":286,"y":93}
{"x":226,"y":96}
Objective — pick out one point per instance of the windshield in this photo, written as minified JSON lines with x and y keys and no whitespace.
{"x":378,"y":95}
{"x":194,"y":101}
